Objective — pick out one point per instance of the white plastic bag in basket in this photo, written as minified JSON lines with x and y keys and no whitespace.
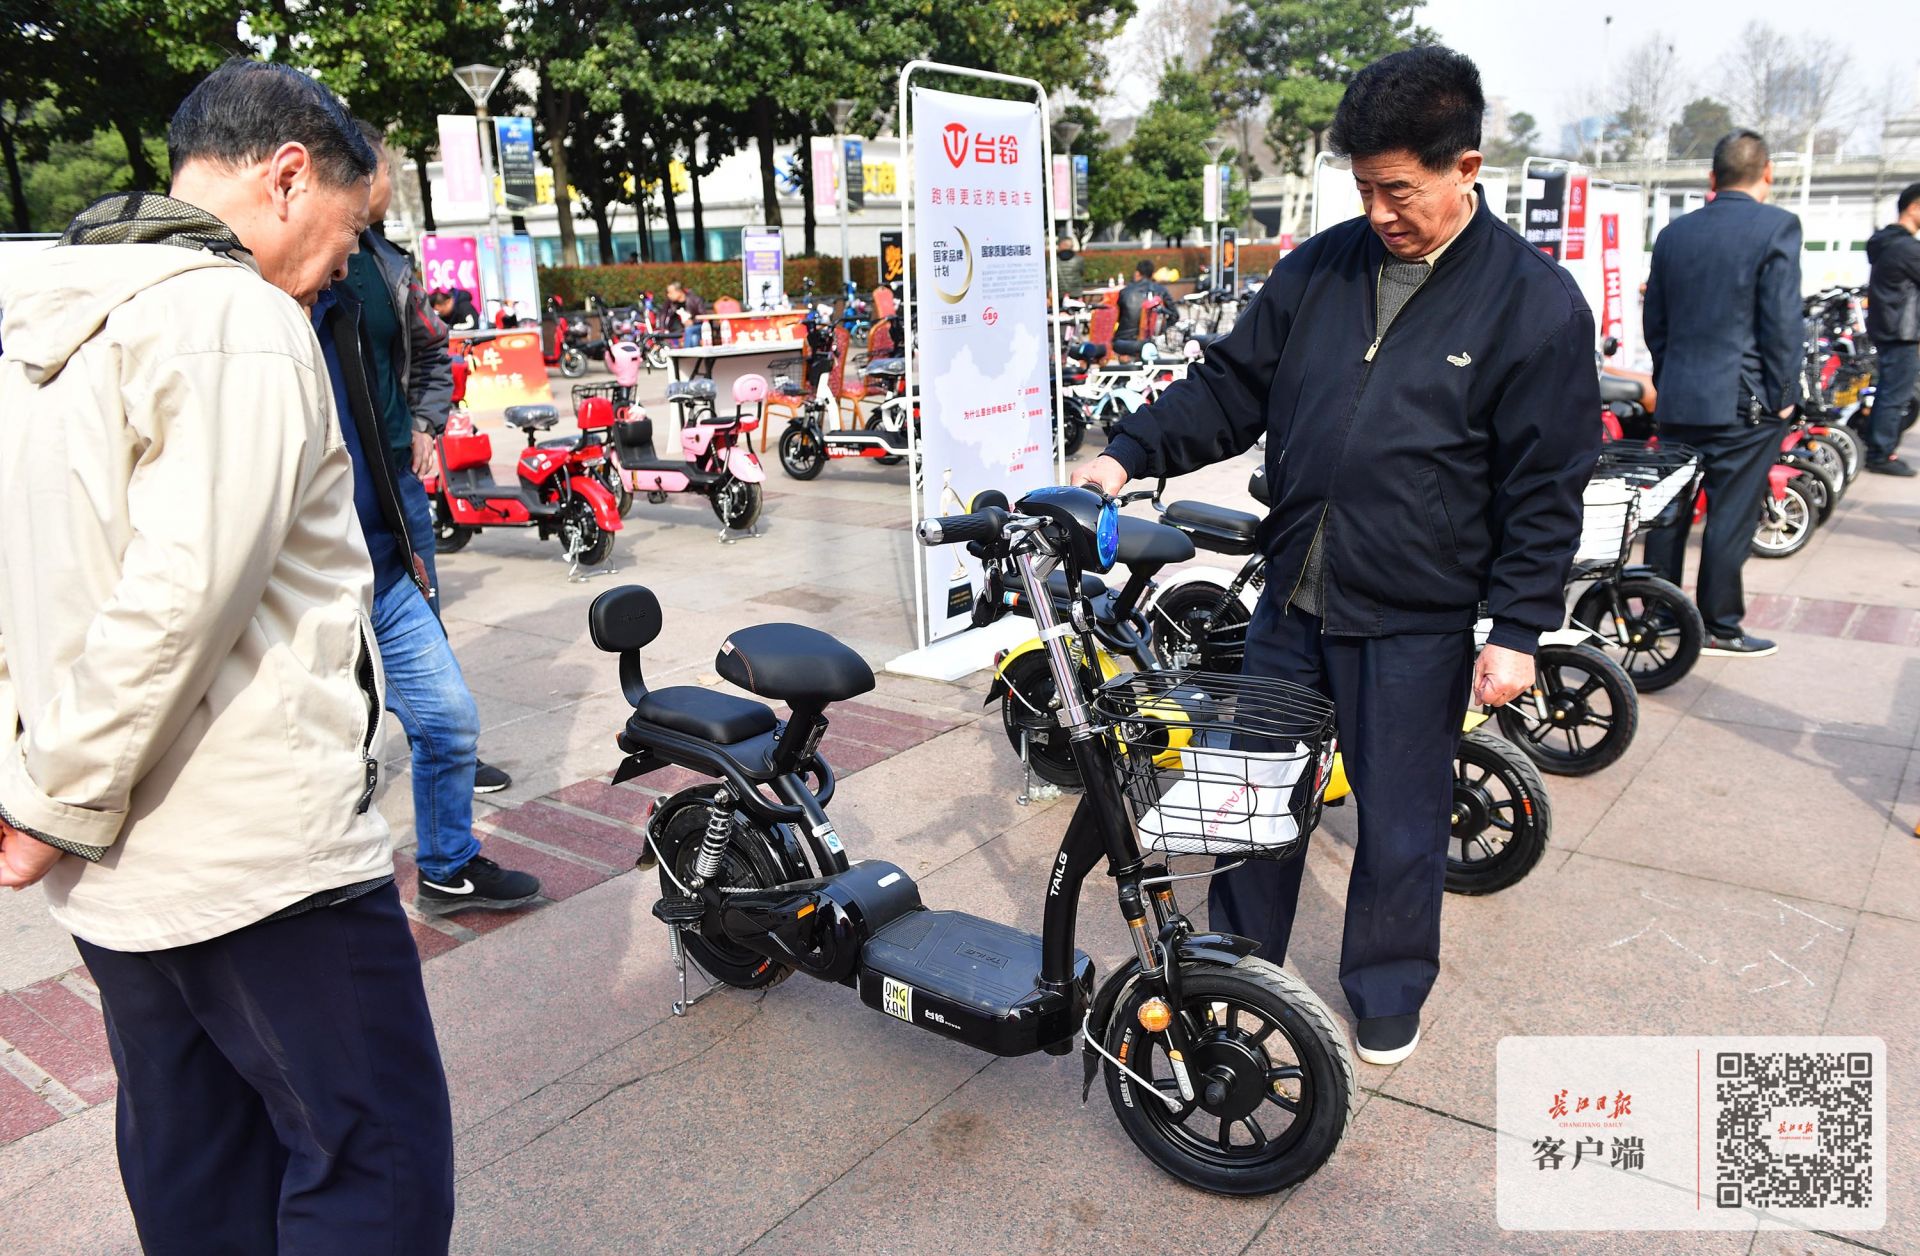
{"x":1223,"y":802}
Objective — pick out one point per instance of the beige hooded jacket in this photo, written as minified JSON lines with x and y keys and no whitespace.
{"x":189,"y":690}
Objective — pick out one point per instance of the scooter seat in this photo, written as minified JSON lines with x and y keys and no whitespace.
{"x":1206,"y":517}
{"x":792,"y":663}
{"x":1128,"y":348}
{"x":691,"y":390}
{"x":532,"y":418}
{"x":789,"y":388}
{"x":1619,"y":388}
{"x":1147,"y":544}
{"x":887,"y":366}
{"x":1087,"y":351}
{"x":1090,"y":586}
{"x":704,"y":713}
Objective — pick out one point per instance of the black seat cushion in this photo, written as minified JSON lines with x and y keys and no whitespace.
{"x":790,"y":388}
{"x":704,"y":713}
{"x":887,"y":366}
{"x":690,"y":390}
{"x":1213,"y":518}
{"x":1128,"y":348}
{"x":1090,"y":586}
{"x":1619,"y":388}
{"x":792,"y":663}
{"x":533,"y":418}
{"x":1147,"y":544}
{"x":1087,"y":351}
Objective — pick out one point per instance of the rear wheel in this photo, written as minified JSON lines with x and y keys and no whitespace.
{"x":888,"y":424}
{"x":448,"y":537}
{"x":1073,"y":429}
{"x":1202,"y":626}
{"x":802,"y":452}
{"x":1580,"y":714}
{"x":1272,"y":1080}
{"x":737,"y":504}
{"x":745,"y":864}
{"x":1660,"y":632}
{"x":1786,"y":522}
{"x":1500,"y":821}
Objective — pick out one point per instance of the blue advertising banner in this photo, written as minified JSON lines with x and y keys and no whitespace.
{"x":517,"y":180}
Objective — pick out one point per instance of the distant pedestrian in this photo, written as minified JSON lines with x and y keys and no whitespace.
{"x":685,"y":309}
{"x":1893,"y":324}
{"x":1072,"y":267}
{"x":1722,"y":317}
{"x":190,"y":697}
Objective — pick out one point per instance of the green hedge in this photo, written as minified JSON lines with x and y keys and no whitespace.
{"x":622,"y":285}
{"x":1104,"y":264}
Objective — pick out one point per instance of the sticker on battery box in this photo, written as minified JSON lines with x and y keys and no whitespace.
{"x":896,"y":999}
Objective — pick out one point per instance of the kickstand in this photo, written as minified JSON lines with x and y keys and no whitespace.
{"x":680,"y":961}
{"x":728,"y":535}
{"x":1047,"y":791}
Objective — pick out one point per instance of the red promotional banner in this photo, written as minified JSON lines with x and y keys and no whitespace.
{"x":1576,"y":218}
{"x":1613,"y":313}
{"x":506,"y":370}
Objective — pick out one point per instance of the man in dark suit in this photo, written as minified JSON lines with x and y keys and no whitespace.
{"x":1723,"y":321}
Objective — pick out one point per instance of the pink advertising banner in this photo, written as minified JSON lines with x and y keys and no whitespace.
{"x":464,"y":179}
{"x":448,"y":261}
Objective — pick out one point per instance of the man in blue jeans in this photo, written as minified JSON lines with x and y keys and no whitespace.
{"x":424,"y":685}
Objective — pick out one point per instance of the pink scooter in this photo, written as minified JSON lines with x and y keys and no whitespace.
{"x":714,"y":462}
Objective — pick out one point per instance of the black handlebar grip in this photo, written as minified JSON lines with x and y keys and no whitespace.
{"x":981,"y":525}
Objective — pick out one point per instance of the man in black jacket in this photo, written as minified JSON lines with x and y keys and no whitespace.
{"x":1723,"y":322}
{"x":1425,"y":380}
{"x":1893,"y":324}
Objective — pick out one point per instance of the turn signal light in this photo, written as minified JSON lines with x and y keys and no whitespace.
{"x":1155,"y":1015}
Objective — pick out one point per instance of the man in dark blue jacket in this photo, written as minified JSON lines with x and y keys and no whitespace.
{"x":1893,"y":324}
{"x":1425,"y":381}
{"x":1723,"y":321}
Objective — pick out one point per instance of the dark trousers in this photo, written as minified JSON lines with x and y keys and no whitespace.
{"x":281,"y":1089}
{"x":1893,"y":387}
{"x":1736,"y":460}
{"x":1398,"y":702}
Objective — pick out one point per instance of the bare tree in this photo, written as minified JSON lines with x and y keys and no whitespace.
{"x":1786,"y":87}
{"x":1171,"y":31}
{"x":1646,"y":95}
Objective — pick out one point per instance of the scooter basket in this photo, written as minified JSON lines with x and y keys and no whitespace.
{"x":1610,"y":511}
{"x":619,"y":394}
{"x":1665,"y":473}
{"x":1219,"y":764}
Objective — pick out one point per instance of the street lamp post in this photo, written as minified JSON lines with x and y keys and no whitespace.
{"x":1065,"y":132}
{"x":479,"y":82}
{"x":1215,"y":146}
{"x":838,"y":113}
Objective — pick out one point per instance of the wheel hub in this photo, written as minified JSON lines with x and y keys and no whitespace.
{"x":1472,"y":809}
{"x":1230,"y":1076}
{"x":1566,"y":711}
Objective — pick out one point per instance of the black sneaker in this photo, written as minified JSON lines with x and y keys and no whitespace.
{"x":488,"y":779}
{"x":1891,"y":465}
{"x":1739,"y":647}
{"x":480,"y":883}
{"x":1387,"y":1039}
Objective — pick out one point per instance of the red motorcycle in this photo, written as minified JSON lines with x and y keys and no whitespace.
{"x":563,"y":341}
{"x":559,"y":491}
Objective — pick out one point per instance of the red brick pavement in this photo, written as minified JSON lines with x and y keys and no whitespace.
{"x":572,"y":839}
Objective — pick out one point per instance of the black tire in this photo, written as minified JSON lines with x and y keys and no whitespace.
{"x":1827,"y":455}
{"x":1852,"y":452}
{"x":616,"y":484}
{"x":1201,"y":625}
{"x":656,"y":358}
{"x":1073,"y":426}
{"x":573,"y":363}
{"x":736,"y":504}
{"x":802,"y":454}
{"x":1820,"y":487}
{"x":1576,"y":737}
{"x":1785,"y":525}
{"x":1237,"y":1020}
{"x":583,"y":537}
{"x":745,"y":864}
{"x":1663,"y":629}
{"x":1029,"y":715}
{"x":448,"y":537}
{"x":874,"y":424}
{"x":1501,"y":819}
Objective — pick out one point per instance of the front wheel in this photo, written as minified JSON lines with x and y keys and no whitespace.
{"x":1821,"y":487}
{"x":1500,"y":821}
{"x":616,"y":484}
{"x":656,"y":358}
{"x":1657,"y":635}
{"x":448,"y":537}
{"x":582,"y":537}
{"x":1073,"y":426}
{"x":737,"y":504}
{"x":573,"y":363}
{"x":1272,"y":1080}
{"x":1580,"y":714}
{"x":1030,"y":714}
{"x":1852,"y":453}
{"x":1786,"y":522}
{"x":802,"y":452}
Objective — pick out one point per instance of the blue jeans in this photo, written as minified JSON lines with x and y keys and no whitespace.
{"x":426,"y":690}
{"x":418,"y":511}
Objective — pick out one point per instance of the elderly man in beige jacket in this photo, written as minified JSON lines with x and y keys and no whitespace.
{"x":190,"y":695}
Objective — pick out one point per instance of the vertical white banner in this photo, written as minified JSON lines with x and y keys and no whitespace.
{"x":463,"y":178}
{"x":1210,"y":194}
{"x":980,"y":274}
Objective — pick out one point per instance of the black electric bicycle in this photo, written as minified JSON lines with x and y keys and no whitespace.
{"x":1225,"y":1070}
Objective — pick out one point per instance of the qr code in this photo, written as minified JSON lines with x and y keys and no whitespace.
{"x":1794,"y":1130}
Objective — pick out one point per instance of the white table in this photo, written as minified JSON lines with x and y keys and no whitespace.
{"x":724,"y":364}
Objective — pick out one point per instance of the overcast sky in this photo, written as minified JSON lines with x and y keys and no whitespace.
{"x":1544,"y":55}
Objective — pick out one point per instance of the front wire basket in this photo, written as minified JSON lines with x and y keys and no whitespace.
{"x":1610,"y":512}
{"x":621,"y":395}
{"x":1219,"y":764}
{"x":1665,"y":472}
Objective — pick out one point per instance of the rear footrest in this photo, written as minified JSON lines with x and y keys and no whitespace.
{"x":971,"y":979}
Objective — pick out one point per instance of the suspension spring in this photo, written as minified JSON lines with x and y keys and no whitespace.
{"x":713,"y":843}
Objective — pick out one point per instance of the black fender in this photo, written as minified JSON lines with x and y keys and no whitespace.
{"x":781,"y":841}
{"x":1222,"y":949}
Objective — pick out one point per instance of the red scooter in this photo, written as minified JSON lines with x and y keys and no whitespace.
{"x":563,"y":341}
{"x":558,"y":490}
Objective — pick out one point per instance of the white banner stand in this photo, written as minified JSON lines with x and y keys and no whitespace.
{"x":962,"y":653}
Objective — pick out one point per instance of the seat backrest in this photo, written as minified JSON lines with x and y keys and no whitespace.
{"x":880,"y":339}
{"x":458,"y":451}
{"x":749,"y":390}
{"x":837,"y":374}
{"x":625,"y":618}
{"x":883,"y":303}
{"x":1101,"y":323}
{"x":726,"y":305}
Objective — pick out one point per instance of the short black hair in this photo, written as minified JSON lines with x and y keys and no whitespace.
{"x":375,"y":137}
{"x":1426,"y":101}
{"x":1143,"y":268}
{"x":246,"y":109}
{"x":1908,"y":195}
{"x":1740,"y":158}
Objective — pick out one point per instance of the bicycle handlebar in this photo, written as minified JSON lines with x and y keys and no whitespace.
{"x":981,"y":525}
